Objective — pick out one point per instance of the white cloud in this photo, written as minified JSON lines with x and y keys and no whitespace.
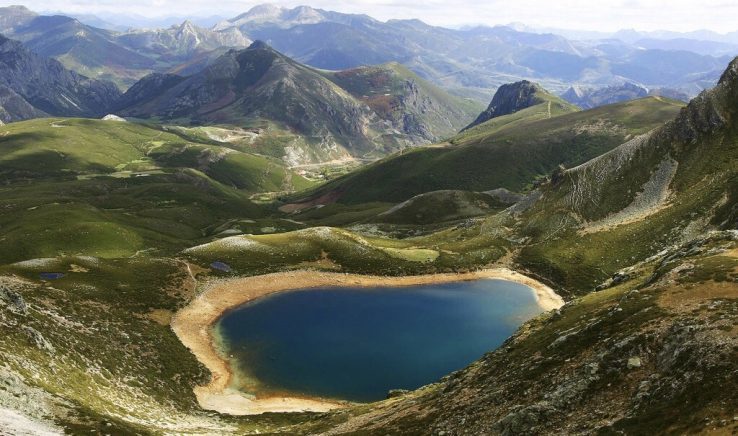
{"x":681,"y":15}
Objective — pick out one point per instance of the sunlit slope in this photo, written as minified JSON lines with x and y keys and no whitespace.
{"x":655,"y":190}
{"x":506,"y":152}
{"x":113,"y":189}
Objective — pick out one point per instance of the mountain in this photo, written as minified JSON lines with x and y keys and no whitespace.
{"x":84,"y":49}
{"x":511,"y":98}
{"x":713,"y":48}
{"x":123,"y":57}
{"x":35,"y":86}
{"x":509,"y":152}
{"x":651,"y":182}
{"x":412,"y":105}
{"x":12,"y":17}
{"x":472,"y":61}
{"x":273,"y":15}
{"x":643,"y":239}
{"x":180,"y":42}
{"x":314,"y":117}
{"x":590,"y":98}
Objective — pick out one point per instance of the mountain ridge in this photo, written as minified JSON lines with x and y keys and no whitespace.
{"x":259,"y":84}
{"x":48,"y":87}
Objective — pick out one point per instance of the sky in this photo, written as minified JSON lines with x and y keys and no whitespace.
{"x":677,"y":15}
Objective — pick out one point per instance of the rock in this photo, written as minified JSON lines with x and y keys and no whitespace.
{"x":620,"y":278}
{"x":394,"y":393}
{"x":111,"y":117}
{"x":509,"y":99}
{"x":14,"y":299}
{"x":38,"y":339}
{"x":525,"y":419}
{"x":592,"y":98}
{"x":634,"y":362}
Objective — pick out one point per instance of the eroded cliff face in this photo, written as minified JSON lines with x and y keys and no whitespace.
{"x":509,"y":99}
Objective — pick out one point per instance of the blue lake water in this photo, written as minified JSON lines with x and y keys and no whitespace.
{"x":356,"y":344}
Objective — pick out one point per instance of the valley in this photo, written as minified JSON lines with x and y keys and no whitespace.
{"x":566,"y":208}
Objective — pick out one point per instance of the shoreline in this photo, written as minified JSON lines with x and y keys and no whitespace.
{"x":193,"y":326}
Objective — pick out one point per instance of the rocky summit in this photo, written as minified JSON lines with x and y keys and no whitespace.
{"x":511,"y":98}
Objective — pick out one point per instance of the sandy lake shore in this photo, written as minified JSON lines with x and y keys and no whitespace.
{"x":193,"y":325}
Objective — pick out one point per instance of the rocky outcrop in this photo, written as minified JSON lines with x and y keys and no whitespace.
{"x":37,"y":339}
{"x":13,"y":300}
{"x":509,"y":99}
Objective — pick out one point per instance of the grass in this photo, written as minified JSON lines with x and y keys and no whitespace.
{"x":115,"y":207}
{"x":511,"y":155}
{"x":112,"y":189}
{"x":441,"y":206}
{"x":65,"y":148}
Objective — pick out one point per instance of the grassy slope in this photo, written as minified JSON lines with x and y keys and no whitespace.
{"x":511,"y":154}
{"x":87,"y":148}
{"x":113,"y":189}
{"x":701,"y":193}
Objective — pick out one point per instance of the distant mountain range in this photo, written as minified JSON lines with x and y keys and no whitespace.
{"x":470,"y":62}
{"x":588,"y":98}
{"x":99,"y":53}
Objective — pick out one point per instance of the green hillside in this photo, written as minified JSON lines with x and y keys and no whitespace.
{"x":113,"y":189}
{"x":506,"y":152}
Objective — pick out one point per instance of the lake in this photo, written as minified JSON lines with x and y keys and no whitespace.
{"x":358,"y":343}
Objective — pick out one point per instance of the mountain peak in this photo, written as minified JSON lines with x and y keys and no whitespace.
{"x":511,"y":98}
{"x":259,"y":45}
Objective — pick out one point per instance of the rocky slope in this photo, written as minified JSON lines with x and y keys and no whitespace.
{"x":34,"y":86}
{"x":412,"y":105}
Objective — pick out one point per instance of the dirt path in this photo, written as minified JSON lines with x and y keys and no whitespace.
{"x":193,"y":325}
